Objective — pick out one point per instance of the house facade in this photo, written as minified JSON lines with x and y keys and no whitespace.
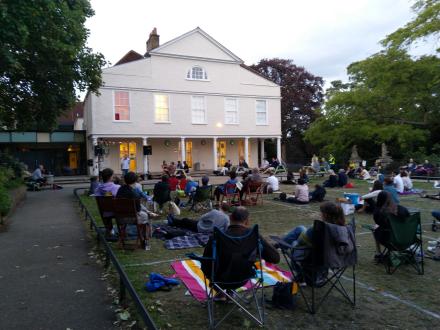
{"x":189,"y":99}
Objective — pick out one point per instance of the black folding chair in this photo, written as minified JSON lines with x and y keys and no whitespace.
{"x":231,"y":265}
{"x":313,"y":265}
{"x":202,"y":198}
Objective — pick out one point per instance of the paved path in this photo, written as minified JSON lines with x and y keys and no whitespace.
{"x":43,"y":262}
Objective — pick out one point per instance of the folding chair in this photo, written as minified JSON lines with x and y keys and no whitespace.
{"x":202,"y":198}
{"x":282,"y":168}
{"x":406,"y":242}
{"x":126,"y":214}
{"x":323,"y":264}
{"x":231,"y":194}
{"x":254,"y":193}
{"x":232,"y":265}
{"x":105,"y":207}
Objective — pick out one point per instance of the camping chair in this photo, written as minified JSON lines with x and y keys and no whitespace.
{"x":323,"y":264}
{"x":230,"y":194}
{"x":254,"y":193}
{"x":125,"y":214}
{"x":202,"y":198}
{"x":232,"y":265}
{"x":405,"y":243}
{"x":282,"y":168}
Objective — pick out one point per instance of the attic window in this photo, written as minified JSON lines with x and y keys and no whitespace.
{"x":197,"y":73}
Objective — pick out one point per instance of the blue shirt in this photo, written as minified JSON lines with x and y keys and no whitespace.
{"x":393,"y":193}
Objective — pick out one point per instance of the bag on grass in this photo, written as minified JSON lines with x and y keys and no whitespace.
{"x":284,"y":295}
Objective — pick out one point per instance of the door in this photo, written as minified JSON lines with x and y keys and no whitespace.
{"x":188,"y":149}
{"x":221,"y":153}
{"x":241,"y":151}
{"x":128,"y":148}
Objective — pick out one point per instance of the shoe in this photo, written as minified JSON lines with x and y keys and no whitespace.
{"x":170,"y":219}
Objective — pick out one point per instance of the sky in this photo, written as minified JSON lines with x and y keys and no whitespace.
{"x":324,"y":36}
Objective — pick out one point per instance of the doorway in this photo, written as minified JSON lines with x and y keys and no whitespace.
{"x":188,"y":149}
{"x":221,"y":153}
{"x":128,"y":148}
{"x":241,"y":151}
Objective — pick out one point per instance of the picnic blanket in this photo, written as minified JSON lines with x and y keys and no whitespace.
{"x":187,"y":241}
{"x":191,"y":275}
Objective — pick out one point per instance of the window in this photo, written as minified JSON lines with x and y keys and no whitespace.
{"x":231,"y":111}
{"x":162,"y":109}
{"x":261,"y":112}
{"x":197,"y":73}
{"x":122,"y":106}
{"x":198,"y":110}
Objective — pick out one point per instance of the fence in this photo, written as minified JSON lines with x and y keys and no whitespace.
{"x":124,"y":283}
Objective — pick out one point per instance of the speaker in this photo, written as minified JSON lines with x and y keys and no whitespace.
{"x":99,"y":151}
{"x":89,"y":162}
{"x":148,"y":150}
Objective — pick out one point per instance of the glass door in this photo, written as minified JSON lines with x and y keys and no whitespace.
{"x":128,"y":148}
{"x":221,"y":153}
{"x":188,"y":149}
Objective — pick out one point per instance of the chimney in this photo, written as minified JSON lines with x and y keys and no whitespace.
{"x":153,"y":40}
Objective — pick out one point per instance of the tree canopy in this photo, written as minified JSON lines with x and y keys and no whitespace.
{"x":301,"y":95}
{"x":44,"y":60}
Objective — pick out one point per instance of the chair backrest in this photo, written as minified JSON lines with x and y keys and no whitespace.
{"x":162,"y":194}
{"x":203,"y":193}
{"x":105,"y":206}
{"x":235,"y":256}
{"x":254,"y":186}
{"x":230,"y":188}
{"x":404,"y":231}
{"x":125,"y":210}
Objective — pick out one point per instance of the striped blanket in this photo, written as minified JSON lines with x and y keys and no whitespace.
{"x":190,"y":273}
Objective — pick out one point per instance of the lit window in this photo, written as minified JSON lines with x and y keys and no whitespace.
{"x":231,"y":111}
{"x":162,"y":109}
{"x":261,"y":112}
{"x":198,"y":110}
{"x":122,"y":106}
{"x":197,"y":73}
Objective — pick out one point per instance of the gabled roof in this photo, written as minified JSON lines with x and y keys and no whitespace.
{"x":129,"y":57}
{"x":162,"y":50}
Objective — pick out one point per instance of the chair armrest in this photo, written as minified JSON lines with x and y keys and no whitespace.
{"x":194,"y":256}
{"x":281,"y":243}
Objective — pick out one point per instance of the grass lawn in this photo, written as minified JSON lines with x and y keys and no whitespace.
{"x":402,"y":300}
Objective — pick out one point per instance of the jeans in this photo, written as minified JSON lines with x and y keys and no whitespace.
{"x":293,"y":235}
{"x":436,"y":214}
{"x":124,"y":171}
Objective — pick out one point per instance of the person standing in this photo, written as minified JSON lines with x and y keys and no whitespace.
{"x":125,"y":165}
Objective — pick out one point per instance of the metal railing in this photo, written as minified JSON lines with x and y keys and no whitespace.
{"x":124,"y":282}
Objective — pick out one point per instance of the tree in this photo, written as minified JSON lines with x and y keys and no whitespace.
{"x":301,"y":96}
{"x":391,"y":98}
{"x":425,"y":24}
{"x":43,"y":60}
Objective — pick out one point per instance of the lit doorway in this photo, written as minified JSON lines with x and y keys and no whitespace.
{"x":221,"y":153}
{"x":241,"y":151}
{"x":128,"y":148}
{"x":188,"y":153}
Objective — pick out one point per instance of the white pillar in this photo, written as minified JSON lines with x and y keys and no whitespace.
{"x":182,"y":149}
{"x":262,"y":150}
{"x":95,"y":169}
{"x":279,"y":149}
{"x":146,"y":165}
{"x":214,"y":152}
{"x":246,"y":149}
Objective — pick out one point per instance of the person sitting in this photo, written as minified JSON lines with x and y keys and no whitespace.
{"x":324,"y":165}
{"x":161,"y":192}
{"x":290,"y":178}
{"x":364,"y":174}
{"x":388,"y":185}
{"x":273,"y":165}
{"x":385,"y":206}
{"x":220,"y":190}
{"x":172,"y":169}
{"x":370,"y":199}
{"x":342,"y":178}
{"x":93,"y":185}
{"x":37,"y":175}
{"x":254,"y":177}
{"x":164,"y":167}
{"x":206,"y":223}
{"x":407,"y":182}
{"x":398,"y":182}
{"x":242,"y":163}
{"x":190,"y":187}
{"x":139,"y":189}
{"x":351,"y":170}
{"x":316,"y":167}
{"x":226,"y":168}
{"x":240,"y":226}
{"x":301,"y":193}
{"x":179,"y":165}
{"x":173,"y":182}
{"x":185,"y":166}
{"x":303,"y":174}
{"x":272,"y":183}
{"x":193,"y":188}
{"x":265,"y":165}
{"x":332,"y":180}
{"x":411,"y":166}
{"x":107,"y":187}
{"x":318,"y":194}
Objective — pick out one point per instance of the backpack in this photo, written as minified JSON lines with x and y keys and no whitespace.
{"x":285,"y":295}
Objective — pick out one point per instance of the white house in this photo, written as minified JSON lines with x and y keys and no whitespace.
{"x":189,"y":99}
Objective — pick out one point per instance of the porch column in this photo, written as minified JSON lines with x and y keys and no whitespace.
{"x":146,"y":165}
{"x":246,"y":149}
{"x":182,"y":149}
{"x":214,"y":152}
{"x":262,"y":150}
{"x":279,"y":149}
{"x":95,"y":169}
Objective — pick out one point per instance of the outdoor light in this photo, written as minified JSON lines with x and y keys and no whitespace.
{"x":219,"y":125}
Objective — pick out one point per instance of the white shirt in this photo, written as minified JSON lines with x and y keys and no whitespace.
{"x":398,"y":183}
{"x":365,"y":174}
{"x":125,"y":163}
{"x":407,"y":183}
{"x":273,"y":183}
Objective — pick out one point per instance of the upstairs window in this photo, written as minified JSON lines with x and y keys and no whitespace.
{"x":197,"y":73}
{"x":198,"y":110}
{"x":261,"y":112}
{"x":162,"y":109}
{"x":231,"y":111}
{"x":122,"y":106}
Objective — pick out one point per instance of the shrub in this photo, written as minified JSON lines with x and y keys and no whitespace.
{"x":5,"y":201}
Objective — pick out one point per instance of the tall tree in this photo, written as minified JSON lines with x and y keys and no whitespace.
{"x":43,"y":60}
{"x":302,"y":94}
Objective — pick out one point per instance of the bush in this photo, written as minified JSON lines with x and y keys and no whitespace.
{"x":7,"y":161}
{"x":5,"y":201}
